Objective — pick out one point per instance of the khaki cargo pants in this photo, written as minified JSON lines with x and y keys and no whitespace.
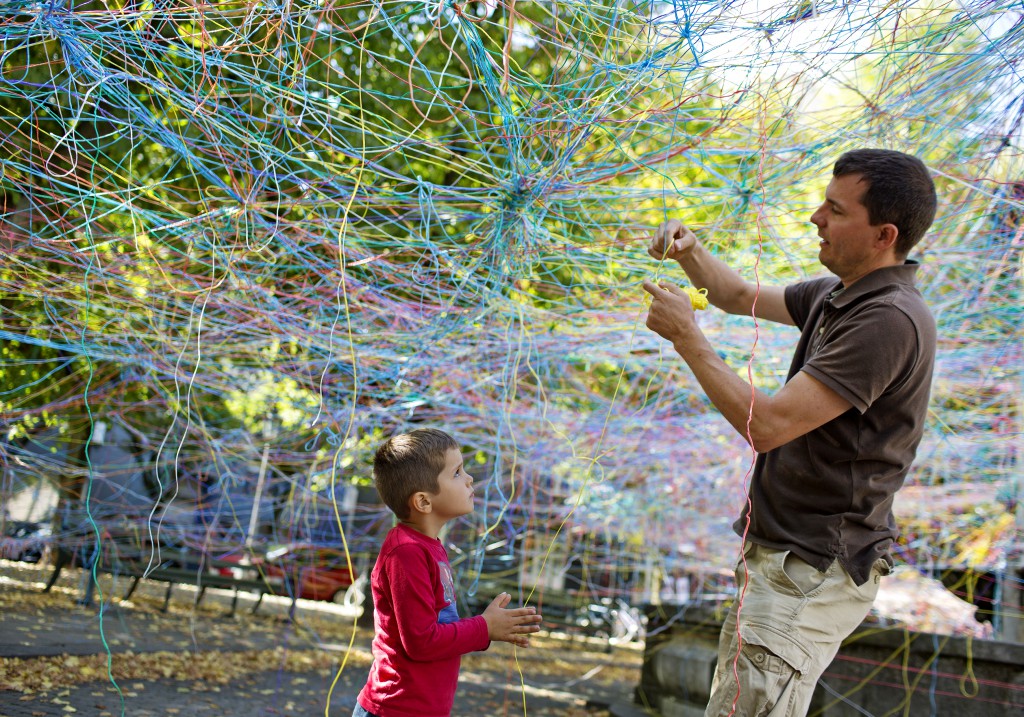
{"x":791,"y":623}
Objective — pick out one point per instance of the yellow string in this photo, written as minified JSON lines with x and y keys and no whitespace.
{"x":343,"y":293}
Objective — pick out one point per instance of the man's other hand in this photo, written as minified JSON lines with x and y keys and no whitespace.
{"x":671,"y":313}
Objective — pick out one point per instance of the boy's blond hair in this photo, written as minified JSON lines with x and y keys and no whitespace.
{"x":409,"y":463}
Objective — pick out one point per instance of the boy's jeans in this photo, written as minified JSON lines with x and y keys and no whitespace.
{"x":792,"y":621}
{"x":360,"y":711}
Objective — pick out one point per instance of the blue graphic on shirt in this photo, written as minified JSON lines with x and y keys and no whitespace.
{"x":449,"y":613}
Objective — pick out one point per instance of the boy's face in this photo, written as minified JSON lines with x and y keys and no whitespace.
{"x":454,"y":488}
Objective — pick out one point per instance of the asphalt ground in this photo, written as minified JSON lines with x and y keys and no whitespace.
{"x":61,"y":658}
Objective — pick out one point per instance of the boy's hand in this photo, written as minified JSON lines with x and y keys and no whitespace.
{"x":513,"y":625}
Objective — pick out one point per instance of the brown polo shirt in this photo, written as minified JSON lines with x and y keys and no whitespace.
{"x":828,"y":494}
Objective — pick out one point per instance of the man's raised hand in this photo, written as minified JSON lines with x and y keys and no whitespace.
{"x":672,"y":240}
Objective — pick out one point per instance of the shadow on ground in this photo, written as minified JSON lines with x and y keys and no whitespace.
{"x":129,"y":658}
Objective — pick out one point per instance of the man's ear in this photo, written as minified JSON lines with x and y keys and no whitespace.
{"x":887,"y":234}
{"x":420,"y":502}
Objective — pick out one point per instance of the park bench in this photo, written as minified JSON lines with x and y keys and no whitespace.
{"x":202,"y":579}
{"x":175,"y":567}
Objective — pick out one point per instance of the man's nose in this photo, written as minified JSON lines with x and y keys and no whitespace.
{"x":816,"y":218}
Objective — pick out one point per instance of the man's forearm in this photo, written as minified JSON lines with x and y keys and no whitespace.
{"x":730,"y":292}
{"x":731,"y":395}
{"x":765,"y":421}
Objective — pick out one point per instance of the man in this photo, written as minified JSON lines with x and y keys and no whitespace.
{"x":835,"y":443}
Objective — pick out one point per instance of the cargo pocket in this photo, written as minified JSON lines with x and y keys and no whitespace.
{"x":777,"y":643}
{"x":765,"y":679}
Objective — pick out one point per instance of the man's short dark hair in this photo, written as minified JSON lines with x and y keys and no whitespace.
{"x":899,"y":191}
{"x":409,"y":463}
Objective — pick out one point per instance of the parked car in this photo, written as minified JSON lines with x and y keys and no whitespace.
{"x":316,"y":572}
{"x":25,"y":541}
{"x":481,"y":578}
{"x":311,"y":572}
{"x":612,"y":619}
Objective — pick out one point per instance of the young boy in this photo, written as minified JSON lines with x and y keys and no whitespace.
{"x":419,"y":638}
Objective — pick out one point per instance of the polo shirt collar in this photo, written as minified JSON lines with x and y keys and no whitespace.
{"x":904,"y":273}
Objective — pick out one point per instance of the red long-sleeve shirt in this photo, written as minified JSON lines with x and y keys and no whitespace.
{"x":418,"y":637}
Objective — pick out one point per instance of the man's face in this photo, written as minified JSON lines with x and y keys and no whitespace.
{"x":849,"y":246}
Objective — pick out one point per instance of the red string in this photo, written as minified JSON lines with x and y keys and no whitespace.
{"x":750,"y":438}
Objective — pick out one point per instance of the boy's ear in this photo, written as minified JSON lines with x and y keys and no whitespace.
{"x":420,"y":502}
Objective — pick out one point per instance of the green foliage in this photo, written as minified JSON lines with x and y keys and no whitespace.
{"x":266,"y":402}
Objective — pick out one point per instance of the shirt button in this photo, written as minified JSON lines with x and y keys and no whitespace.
{"x":759,"y":658}
{"x":821,"y":330}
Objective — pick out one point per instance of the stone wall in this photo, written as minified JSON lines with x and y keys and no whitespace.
{"x":879,"y":671}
